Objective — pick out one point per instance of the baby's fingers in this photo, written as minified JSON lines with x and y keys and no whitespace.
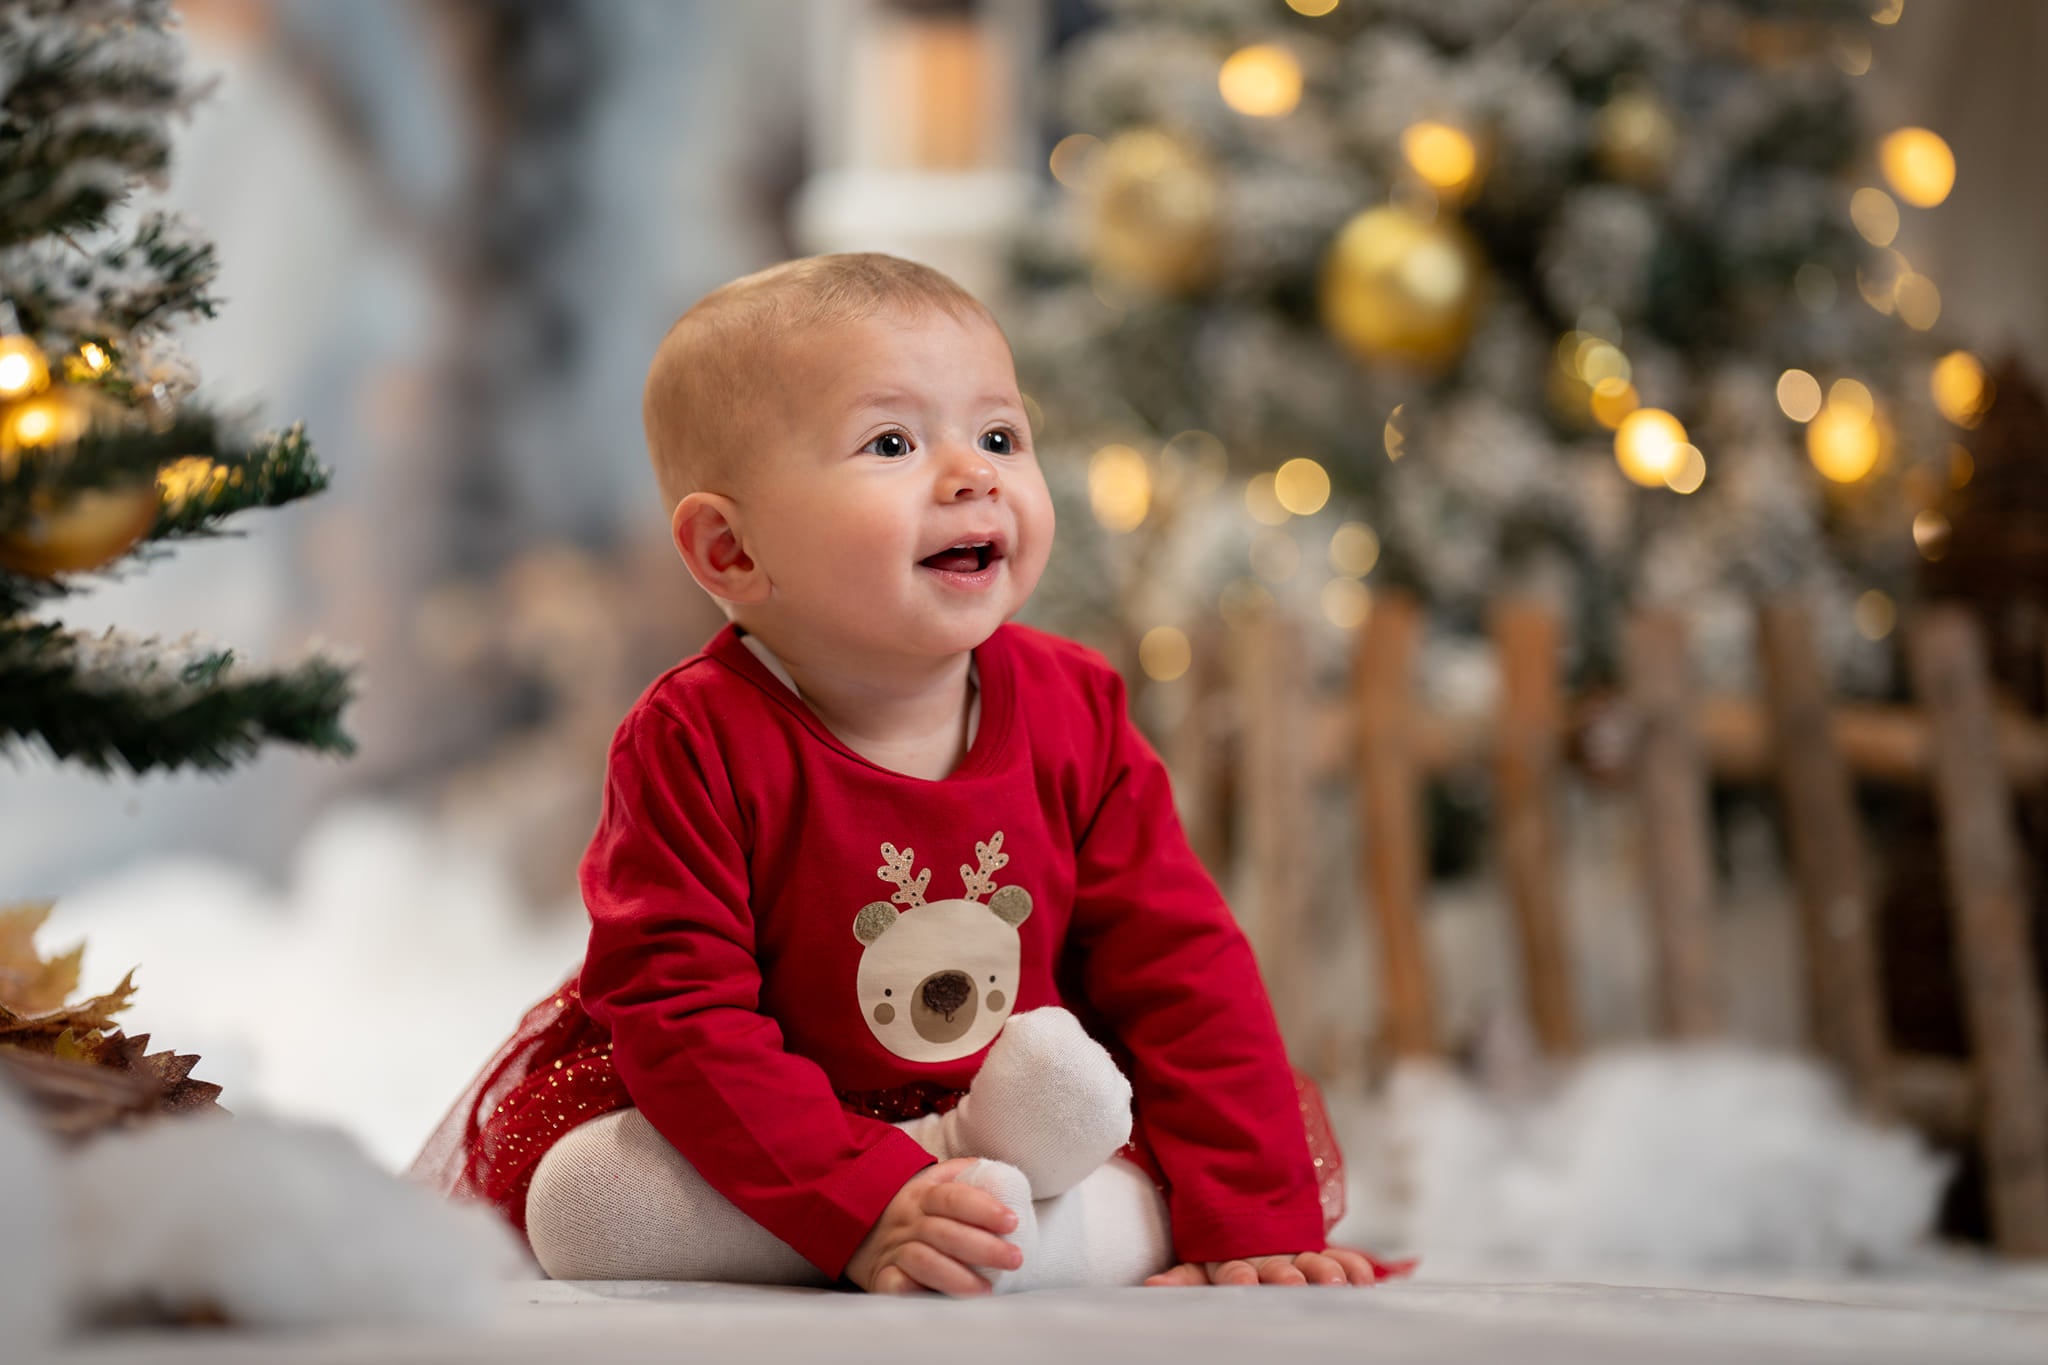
{"x":969,"y":1245}
{"x":891,"y":1280}
{"x":1234,"y":1272}
{"x":1182,"y":1274}
{"x":967,"y":1204}
{"x":934,"y":1269}
{"x":1358,"y":1268}
{"x":1279,"y":1270}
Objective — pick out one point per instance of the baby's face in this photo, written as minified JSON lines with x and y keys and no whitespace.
{"x":898,"y":439}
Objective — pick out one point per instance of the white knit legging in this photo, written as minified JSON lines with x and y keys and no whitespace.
{"x":614,"y":1200}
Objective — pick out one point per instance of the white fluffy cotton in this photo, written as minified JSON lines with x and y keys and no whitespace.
{"x":1702,"y":1158}
{"x":273,"y":1224}
{"x":30,"y":1299}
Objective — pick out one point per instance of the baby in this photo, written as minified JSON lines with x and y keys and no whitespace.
{"x":790,"y":1057}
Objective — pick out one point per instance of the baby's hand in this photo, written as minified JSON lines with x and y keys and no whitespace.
{"x":932,"y":1235}
{"x":1332,"y":1265}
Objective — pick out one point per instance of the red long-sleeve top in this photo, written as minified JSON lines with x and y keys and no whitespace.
{"x":738,"y":844}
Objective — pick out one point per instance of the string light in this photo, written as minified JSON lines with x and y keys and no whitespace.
{"x":1612,"y":401}
{"x":1069,"y":160}
{"x":1691,"y":471}
{"x":1313,"y":9}
{"x":95,"y":358}
{"x":1354,"y":549}
{"x":1119,"y":487}
{"x":1798,"y":395}
{"x":1887,"y":13}
{"x":1395,"y":435}
{"x":1263,"y":502}
{"x":23,"y":370}
{"x":1164,"y":653}
{"x":1875,"y":215}
{"x":1442,"y":155}
{"x":1648,"y":445}
{"x":1875,"y":615}
{"x":1262,"y":81}
{"x":1302,"y":486}
{"x":1917,"y":300}
{"x":1918,"y":165}
{"x":1346,"y":602}
{"x":1845,"y":439}
{"x":1959,"y":388}
{"x":1930,"y":533}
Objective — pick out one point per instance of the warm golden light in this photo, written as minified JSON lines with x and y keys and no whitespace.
{"x":1852,"y":395}
{"x":44,"y":421}
{"x":1263,"y":502}
{"x":1650,"y":446}
{"x":1596,"y":360}
{"x":1302,"y":486}
{"x":1314,"y":9}
{"x":1396,"y":433}
{"x":1875,"y":215}
{"x":1346,"y":602}
{"x":1612,"y":401}
{"x":1844,"y":442}
{"x":1164,"y":653}
{"x":1961,"y":468}
{"x":1276,"y":556}
{"x":23,"y":370}
{"x":1875,"y":615}
{"x":1853,"y":56}
{"x":1930,"y":533}
{"x":1798,"y":395}
{"x":1069,"y":161}
{"x":1918,"y":165}
{"x":1691,"y":471}
{"x":1354,"y":549}
{"x":1917,"y":299}
{"x":96,"y":359}
{"x":1888,"y":12}
{"x":1263,"y":80}
{"x":180,"y":480}
{"x":1442,"y":155}
{"x":1119,"y":487}
{"x":1959,"y":388}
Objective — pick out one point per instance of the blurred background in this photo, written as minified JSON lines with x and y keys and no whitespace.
{"x":1604,"y":306}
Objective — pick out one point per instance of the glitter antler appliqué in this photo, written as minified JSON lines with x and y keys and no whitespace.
{"x":981,"y":881}
{"x":896,"y":870}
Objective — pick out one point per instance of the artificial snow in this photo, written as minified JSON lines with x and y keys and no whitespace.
{"x":272,"y":1224}
{"x":30,"y":1301}
{"x":1658,"y":1159}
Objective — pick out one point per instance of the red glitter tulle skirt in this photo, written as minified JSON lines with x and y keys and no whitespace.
{"x":555,"y":1073}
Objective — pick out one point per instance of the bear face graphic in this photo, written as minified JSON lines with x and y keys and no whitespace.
{"x":937,"y":981}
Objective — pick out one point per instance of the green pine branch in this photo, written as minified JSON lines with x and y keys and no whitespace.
{"x":146,"y":706}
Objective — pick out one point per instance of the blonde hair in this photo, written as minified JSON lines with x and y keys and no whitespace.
{"x":713,"y":369}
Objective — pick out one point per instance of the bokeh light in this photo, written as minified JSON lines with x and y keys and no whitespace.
{"x":1069,"y":161}
{"x":1875,"y":215}
{"x":1931,"y":533}
{"x":1314,"y":9}
{"x":1263,"y":80}
{"x":1346,"y":603}
{"x":1691,"y":471}
{"x":1443,"y":156}
{"x":1650,"y":446}
{"x":1918,"y":165}
{"x":1354,"y":549}
{"x":1119,"y":487}
{"x":1164,"y":653}
{"x":1875,"y":615}
{"x":1959,"y":388}
{"x":1262,"y":502}
{"x":1798,"y":395}
{"x":1302,"y":486}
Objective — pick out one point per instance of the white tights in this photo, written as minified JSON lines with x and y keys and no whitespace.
{"x":614,"y":1200}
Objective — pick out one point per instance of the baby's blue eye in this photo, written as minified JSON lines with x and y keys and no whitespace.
{"x":898,"y":445}
{"x":1005,"y":443}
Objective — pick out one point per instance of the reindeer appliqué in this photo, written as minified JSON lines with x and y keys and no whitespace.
{"x":937,"y":981}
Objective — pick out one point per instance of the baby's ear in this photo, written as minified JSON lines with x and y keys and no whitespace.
{"x":1012,"y":905}
{"x":873,"y":920}
{"x":705,"y":527}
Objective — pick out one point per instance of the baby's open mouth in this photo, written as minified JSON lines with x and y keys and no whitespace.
{"x":965,"y":558}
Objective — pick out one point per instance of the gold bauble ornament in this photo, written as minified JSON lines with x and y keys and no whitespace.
{"x":1635,"y":139}
{"x":1156,"y":209}
{"x":1397,"y":286}
{"x":79,"y":531}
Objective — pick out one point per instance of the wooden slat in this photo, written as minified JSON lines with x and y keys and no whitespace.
{"x":1525,"y":636}
{"x":1390,"y":811}
{"x":1888,"y":744}
{"x":1671,"y":786}
{"x":1993,"y":948}
{"x":1274,"y":811}
{"x":1845,"y":1006}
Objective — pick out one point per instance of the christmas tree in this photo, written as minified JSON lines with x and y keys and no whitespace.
{"x":1590,"y":297}
{"x":105,"y":454}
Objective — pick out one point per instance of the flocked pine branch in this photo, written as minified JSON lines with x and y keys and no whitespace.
{"x":148,"y":705}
